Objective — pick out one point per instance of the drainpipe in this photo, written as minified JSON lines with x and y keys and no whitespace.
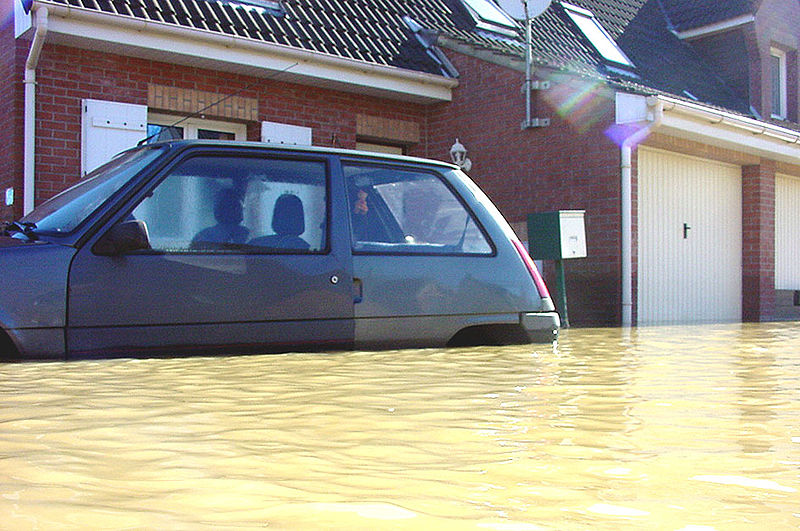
{"x":40,"y":23}
{"x":654,"y":116}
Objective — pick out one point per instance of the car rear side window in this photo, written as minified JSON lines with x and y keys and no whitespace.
{"x":397,"y":210}
{"x":212,"y":204}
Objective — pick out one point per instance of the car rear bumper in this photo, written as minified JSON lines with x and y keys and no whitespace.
{"x":541,"y":327}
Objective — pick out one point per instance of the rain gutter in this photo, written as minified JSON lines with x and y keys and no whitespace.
{"x":40,"y":22}
{"x":760,"y":130}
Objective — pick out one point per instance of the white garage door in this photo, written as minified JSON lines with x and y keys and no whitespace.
{"x":787,"y":232}
{"x":690,"y":239}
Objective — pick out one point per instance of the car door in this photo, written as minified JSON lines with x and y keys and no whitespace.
{"x":243,"y":256}
{"x":424,"y":266}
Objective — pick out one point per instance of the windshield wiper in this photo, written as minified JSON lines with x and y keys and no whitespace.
{"x":26,"y":228}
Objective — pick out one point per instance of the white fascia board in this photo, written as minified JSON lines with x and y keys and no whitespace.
{"x":709,"y":125}
{"x":718,"y":27}
{"x":732,"y":137}
{"x":164,"y":42}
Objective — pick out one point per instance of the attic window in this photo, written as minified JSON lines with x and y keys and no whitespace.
{"x":488,"y":16}
{"x":777,"y":63}
{"x":597,"y":35}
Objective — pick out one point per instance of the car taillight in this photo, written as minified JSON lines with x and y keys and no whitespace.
{"x":541,"y":287}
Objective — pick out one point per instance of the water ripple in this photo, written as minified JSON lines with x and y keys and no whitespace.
{"x":663,"y":427}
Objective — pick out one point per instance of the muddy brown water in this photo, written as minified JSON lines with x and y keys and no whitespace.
{"x":691,"y":428}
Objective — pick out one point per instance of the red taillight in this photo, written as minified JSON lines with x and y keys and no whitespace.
{"x":541,"y":287}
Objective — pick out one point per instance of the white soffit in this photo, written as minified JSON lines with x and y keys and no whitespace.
{"x":694,"y":121}
{"x":88,"y":29}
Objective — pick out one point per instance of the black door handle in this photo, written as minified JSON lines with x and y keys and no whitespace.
{"x":686,"y":229}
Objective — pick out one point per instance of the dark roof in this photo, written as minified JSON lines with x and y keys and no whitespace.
{"x":668,"y":64}
{"x":376,"y":31}
{"x":689,"y":14}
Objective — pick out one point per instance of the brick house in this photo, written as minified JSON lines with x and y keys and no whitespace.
{"x":672,"y":123}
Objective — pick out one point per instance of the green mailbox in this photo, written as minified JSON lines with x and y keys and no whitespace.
{"x":558,"y":236}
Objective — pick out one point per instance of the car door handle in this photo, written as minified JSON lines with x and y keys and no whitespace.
{"x":358,"y":290}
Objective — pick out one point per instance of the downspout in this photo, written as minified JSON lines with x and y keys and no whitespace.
{"x":654,"y":116}
{"x":28,"y":188}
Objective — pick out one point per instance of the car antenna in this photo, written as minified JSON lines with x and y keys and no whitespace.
{"x":232,"y":94}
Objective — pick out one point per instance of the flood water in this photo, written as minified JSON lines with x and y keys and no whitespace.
{"x":690,"y":428}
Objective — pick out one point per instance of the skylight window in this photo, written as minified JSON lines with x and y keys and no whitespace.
{"x":597,"y":35}
{"x":488,"y":16}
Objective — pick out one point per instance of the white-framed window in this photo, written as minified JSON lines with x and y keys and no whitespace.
{"x":597,"y":35}
{"x":171,"y":127}
{"x":778,"y":89}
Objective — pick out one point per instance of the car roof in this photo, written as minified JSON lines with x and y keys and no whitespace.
{"x":187,"y":144}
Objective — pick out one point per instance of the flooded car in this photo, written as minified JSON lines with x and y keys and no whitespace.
{"x":206,"y":246}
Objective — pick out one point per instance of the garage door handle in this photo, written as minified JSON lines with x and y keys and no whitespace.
{"x":686,"y":229}
{"x":358,"y":290}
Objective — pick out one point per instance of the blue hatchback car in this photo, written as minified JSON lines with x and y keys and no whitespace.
{"x":220,"y":247}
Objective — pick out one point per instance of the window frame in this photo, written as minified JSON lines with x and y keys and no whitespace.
{"x":191,"y":126}
{"x":244,"y":249}
{"x":781,"y":113}
{"x":399,"y":249}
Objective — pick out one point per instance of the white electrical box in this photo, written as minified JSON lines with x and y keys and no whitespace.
{"x":573,"y":234}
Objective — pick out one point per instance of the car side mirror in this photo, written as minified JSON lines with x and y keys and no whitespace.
{"x":123,"y":238}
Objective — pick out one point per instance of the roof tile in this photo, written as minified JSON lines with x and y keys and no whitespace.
{"x":374,"y":31}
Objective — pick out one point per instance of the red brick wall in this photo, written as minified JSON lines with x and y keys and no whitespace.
{"x":91,"y":74}
{"x":570,"y":164}
{"x":10,"y":89}
{"x":758,"y":241}
{"x":777,"y":24}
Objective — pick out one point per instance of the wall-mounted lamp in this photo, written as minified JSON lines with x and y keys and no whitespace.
{"x":458,"y":154}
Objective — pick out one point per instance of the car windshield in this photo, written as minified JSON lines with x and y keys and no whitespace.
{"x":65,"y":212}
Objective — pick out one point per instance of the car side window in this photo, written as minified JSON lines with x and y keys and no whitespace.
{"x":394,"y":210}
{"x":238,"y":204}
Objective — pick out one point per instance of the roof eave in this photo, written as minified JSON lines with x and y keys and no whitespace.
{"x":710,"y":125}
{"x":715,"y":28}
{"x":95,"y":30}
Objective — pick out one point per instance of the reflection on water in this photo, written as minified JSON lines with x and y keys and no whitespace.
{"x":653,"y":428}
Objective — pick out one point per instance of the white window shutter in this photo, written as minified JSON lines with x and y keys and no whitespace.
{"x":108,"y":127}
{"x":277,"y":133}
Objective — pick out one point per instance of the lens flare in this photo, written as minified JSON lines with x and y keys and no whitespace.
{"x":618,"y":133}
{"x":581,"y":105}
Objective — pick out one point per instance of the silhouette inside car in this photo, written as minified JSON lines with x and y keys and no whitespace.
{"x":228,"y":230}
{"x":288,"y":222}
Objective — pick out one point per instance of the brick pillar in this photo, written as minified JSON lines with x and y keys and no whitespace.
{"x":758,"y":241}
